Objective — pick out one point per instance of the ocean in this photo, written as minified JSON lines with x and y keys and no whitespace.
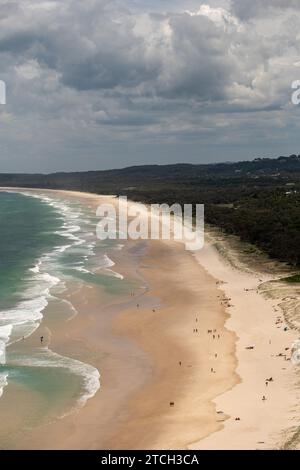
{"x":46,"y":242}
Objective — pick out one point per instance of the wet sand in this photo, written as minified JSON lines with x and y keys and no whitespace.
{"x":166,"y":382}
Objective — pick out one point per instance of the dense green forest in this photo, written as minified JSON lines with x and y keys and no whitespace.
{"x":257,"y":200}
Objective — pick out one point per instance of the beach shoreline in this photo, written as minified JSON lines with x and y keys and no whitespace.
{"x":263,"y":406}
{"x":175,"y":371}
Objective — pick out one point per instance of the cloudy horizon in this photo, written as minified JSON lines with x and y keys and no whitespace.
{"x":107,"y":84}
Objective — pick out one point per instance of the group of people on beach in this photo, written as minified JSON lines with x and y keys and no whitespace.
{"x":214,"y":334}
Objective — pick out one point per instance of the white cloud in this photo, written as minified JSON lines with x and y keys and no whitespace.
{"x":113,"y":73}
{"x":29,"y":69}
{"x":219,"y":16}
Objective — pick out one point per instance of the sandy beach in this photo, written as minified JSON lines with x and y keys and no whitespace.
{"x":259,"y":323}
{"x":174,"y":356}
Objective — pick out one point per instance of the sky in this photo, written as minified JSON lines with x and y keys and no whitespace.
{"x":100,"y":84}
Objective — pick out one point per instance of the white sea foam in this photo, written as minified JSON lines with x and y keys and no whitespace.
{"x":44,"y":357}
{"x":5,"y":332}
{"x":36,"y":268}
{"x":23,"y":319}
{"x":108,"y":263}
{"x":72,"y":308}
{"x":26,"y":316}
{"x":41,"y":284}
{"x":62,"y":249}
{"x":66,"y":213}
{"x":83,"y":270}
{"x":117,"y":275}
{"x":20,"y":321}
{"x":119,"y":247}
{"x":3,"y":381}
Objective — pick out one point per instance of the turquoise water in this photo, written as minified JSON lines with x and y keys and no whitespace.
{"x":44,"y":242}
{"x":26,"y":232}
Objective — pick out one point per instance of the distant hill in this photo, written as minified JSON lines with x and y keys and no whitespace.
{"x":276,"y":169}
{"x":257,"y":200}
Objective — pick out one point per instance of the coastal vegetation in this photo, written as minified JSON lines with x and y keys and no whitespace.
{"x":295,"y":279}
{"x":257,"y":200}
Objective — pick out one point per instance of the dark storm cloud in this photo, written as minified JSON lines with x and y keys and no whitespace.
{"x":251,"y":8}
{"x":101,"y":48}
{"x":97,"y":73}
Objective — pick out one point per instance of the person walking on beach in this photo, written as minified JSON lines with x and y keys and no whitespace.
{"x":42,"y":339}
